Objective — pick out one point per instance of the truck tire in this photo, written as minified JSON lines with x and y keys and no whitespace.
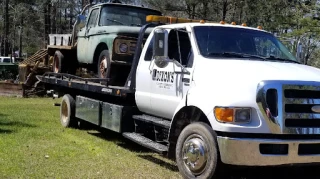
{"x":57,"y":62}
{"x":104,"y":64}
{"x":197,"y":151}
{"x":67,"y":112}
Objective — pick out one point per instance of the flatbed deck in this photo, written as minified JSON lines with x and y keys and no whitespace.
{"x":95,"y":85}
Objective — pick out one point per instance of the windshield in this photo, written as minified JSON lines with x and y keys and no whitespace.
{"x":123,"y":15}
{"x":221,"y":40}
{"x":6,"y":60}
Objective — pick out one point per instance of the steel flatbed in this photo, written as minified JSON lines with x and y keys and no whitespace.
{"x":92,"y":85}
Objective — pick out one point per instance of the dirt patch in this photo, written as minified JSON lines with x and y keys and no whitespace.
{"x":11,"y":89}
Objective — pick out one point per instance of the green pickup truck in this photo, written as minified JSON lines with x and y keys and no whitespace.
{"x":8,"y":71}
{"x":102,"y":42}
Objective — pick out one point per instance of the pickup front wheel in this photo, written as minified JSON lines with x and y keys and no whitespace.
{"x":197,"y":151}
{"x":104,"y":64}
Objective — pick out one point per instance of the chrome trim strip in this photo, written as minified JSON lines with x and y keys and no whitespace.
{"x":236,"y":151}
{"x":301,"y":101}
{"x":302,"y":116}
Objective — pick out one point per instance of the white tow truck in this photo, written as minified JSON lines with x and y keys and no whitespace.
{"x":205,"y":93}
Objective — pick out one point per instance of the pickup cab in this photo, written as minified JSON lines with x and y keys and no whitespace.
{"x":206,"y":94}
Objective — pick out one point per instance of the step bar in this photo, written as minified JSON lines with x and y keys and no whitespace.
{"x":148,"y":143}
{"x":153,"y":120}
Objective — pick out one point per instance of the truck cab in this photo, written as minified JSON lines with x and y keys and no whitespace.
{"x":241,"y":83}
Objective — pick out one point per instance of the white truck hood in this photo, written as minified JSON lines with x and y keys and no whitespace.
{"x":249,"y":72}
{"x":235,"y":82}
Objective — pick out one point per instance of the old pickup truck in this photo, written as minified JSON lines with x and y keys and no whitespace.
{"x":105,"y":38}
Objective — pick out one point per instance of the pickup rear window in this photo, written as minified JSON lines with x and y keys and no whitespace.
{"x":123,"y":15}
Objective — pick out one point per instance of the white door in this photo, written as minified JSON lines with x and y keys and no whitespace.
{"x":168,"y":84}
{"x":159,"y":90}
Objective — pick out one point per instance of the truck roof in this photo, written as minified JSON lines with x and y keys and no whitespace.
{"x":127,"y":5}
{"x":193,"y":24}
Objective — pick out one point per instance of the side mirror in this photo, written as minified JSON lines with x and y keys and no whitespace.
{"x":81,"y":21}
{"x":160,"y":48}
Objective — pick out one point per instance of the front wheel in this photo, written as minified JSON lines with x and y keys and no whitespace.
{"x":104,"y":64}
{"x":197,"y":151}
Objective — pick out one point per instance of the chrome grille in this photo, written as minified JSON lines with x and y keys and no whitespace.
{"x":294,"y":102}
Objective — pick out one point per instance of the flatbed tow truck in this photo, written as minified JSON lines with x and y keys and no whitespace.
{"x":204,"y":94}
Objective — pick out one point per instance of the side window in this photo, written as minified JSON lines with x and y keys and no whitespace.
{"x":179,"y":47}
{"x":93,"y":18}
{"x":149,"y":52}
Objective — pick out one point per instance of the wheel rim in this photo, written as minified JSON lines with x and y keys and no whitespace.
{"x":103,"y":67}
{"x":64,"y":112}
{"x":195,"y":154}
{"x":56,"y":64}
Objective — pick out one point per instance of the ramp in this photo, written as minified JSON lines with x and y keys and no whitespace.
{"x":26,"y":66}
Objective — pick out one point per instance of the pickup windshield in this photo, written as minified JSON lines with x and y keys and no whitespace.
{"x":226,"y":42}
{"x":124,"y":15}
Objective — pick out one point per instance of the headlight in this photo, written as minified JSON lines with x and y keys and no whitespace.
{"x":242,"y":115}
{"x":232,"y":115}
{"x":123,"y":48}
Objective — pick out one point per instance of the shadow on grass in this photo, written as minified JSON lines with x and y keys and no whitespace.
{"x":160,"y":162}
{"x":16,"y":123}
{"x":119,"y":140}
{"x":5,"y":131}
{"x":11,"y":124}
{"x":293,"y":172}
{"x":232,"y":172}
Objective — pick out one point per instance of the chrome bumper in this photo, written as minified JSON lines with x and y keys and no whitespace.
{"x":246,"y":151}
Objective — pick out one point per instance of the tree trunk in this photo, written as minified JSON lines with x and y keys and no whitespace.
{"x":224,"y":9}
{"x":54,"y":19}
{"x":47,"y":22}
{"x":20,"y":37}
{"x":6,"y":43}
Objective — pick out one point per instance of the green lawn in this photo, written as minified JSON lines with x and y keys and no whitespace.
{"x":33,"y":144}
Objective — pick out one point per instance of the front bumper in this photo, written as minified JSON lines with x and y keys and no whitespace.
{"x":248,"y":151}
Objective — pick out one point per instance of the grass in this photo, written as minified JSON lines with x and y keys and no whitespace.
{"x":33,"y":144}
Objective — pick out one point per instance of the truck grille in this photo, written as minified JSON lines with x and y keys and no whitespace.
{"x":287,"y":106}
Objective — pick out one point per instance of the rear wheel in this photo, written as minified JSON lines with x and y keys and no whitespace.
{"x":67,"y":111}
{"x":104,"y":64}
{"x":197,"y":151}
{"x":58,"y":59}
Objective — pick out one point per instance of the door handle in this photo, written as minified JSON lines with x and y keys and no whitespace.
{"x":186,"y":80}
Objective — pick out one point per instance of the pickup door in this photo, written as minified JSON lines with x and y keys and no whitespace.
{"x":159,"y":90}
{"x":85,"y":37}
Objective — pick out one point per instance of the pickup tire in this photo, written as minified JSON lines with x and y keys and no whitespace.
{"x":104,"y":64}
{"x":58,"y":59}
{"x":67,"y":112}
{"x":197,"y":151}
